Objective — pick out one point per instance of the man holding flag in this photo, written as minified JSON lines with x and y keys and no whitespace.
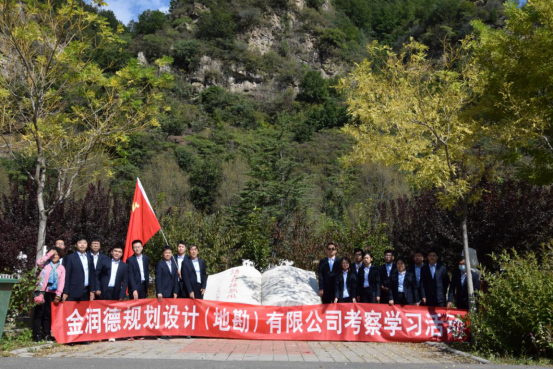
{"x":142,"y":226}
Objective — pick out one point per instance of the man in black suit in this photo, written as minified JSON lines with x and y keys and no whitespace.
{"x":357,"y":260}
{"x":194,"y":275}
{"x":329,"y":268}
{"x":346,"y":283}
{"x":458,"y":289}
{"x":80,"y":278}
{"x":385,"y":271}
{"x":112,"y":276}
{"x":97,"y":258}
{"x":415,"y":268}
{"x":403,"y":286}
{"x":181,"y":255}
{"x":368,"y":281}
{"x":434,"y":281}
{"x":167,"y":276}
{"x":139,"y":272}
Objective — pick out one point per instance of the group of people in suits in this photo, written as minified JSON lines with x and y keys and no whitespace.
{"x":395,"y":282}
{"x":86,"y":274}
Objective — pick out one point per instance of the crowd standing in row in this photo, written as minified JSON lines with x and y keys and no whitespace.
{"x":395,"y":282}
{"x":87,"y":275}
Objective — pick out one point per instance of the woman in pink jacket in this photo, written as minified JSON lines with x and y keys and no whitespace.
{"x":49,"y":289}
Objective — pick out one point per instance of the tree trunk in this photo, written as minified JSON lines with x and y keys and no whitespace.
{"x":40,"y":181}
{"x":472,"y":304}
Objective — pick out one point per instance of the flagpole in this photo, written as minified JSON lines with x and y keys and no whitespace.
{"x":167,"y":243}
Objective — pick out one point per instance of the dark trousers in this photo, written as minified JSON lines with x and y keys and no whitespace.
{"x":368,"y":295}
{"x":347,"y":299}
{"x":401,"y":300}
{"x":108,"y":295}
{"x":42,"y":320}
{"x":142,"y":294}
{"x":197,"y":287}
{"x":85,"y":296}
{"x":434,"y":302}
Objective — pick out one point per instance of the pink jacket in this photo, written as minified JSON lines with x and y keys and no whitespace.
{"x":45,"y":276}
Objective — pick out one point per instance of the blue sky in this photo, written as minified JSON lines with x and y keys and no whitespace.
{"x":126,"y":10}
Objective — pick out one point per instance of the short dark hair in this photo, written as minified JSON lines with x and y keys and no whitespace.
{"x":79,"y":237}
{"x":167,"y":247}
{"x":367,"y":253}
{"x":193,"y":247}
{"x":181,"y":242}
{"x":356,"y":250}
{"x":418,"y":252}
{"x":389,"y":251}
{"x":401,"y":258}
{"x":137,"y":241}
{"x":116,"y":247}
{"x":95,"y":239}
{"x":346,"y":259}
{"x":59,"y":239}
{"x":331,"y":243}
{"x":432,"y":251}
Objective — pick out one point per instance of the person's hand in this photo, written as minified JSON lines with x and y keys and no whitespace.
{"x":417,"y":304}
{"x":354,"y":300}
{"x":121,"y":299}
{"x":424,"y":300}
{"x":179,"y":274}
{"x":202,"y":291}
{"x":335,"y":300}
{"x":159,"y":297}
{"x":135,"y":295}
{"x":92,"y":296}
{"x":57,"y":300}
{"x":64,"y":297}
{"x":377,"y":298}
{"x":191,"y":295}
{"x":391,"y":302}
{"x":449,"y":304}
{"x":384,"y":288}
{"x":98,"y":293}
{"x":174,"y":295}
{"x":321,"y":292}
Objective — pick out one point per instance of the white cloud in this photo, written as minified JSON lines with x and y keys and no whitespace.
{"x":127,"y":10}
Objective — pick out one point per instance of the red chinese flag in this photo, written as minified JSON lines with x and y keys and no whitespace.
{"x":143,"y":224}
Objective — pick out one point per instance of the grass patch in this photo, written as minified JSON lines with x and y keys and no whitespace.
{"x":501,"y":360}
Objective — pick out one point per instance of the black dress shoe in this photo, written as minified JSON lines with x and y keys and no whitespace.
{"x":37,"y":338}
{"x":49,"y":338}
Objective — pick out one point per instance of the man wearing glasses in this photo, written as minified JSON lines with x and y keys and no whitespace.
{"x":329,"y":268}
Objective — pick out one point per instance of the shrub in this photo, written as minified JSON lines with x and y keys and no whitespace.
{"x":516,"y":314}
{"x":216,"y":24}
{"x":313,"y":88}
{"x":186,"y":54}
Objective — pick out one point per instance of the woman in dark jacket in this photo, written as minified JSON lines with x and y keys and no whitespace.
{"x":346,"y":283}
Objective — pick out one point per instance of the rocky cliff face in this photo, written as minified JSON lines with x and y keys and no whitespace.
{"x":280,"y":36}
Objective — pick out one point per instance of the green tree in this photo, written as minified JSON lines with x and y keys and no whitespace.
{"x":516,"y":66}
{"x":150,"y":21}
{"x":275,"y":187}
{"x":313,"y":88}
{"x":58,"y":108}
{"x":410,"y":115}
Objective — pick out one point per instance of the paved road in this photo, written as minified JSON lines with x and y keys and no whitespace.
{"x":73,"y":363}
{"x":246,"y":350}
{"x":240,"y":354}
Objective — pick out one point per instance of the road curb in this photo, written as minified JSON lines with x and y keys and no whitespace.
{"x":25,"y":351}
{"x":446,"y":348}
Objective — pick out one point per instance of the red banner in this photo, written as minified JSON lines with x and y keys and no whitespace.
{"x":101,"y":320}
